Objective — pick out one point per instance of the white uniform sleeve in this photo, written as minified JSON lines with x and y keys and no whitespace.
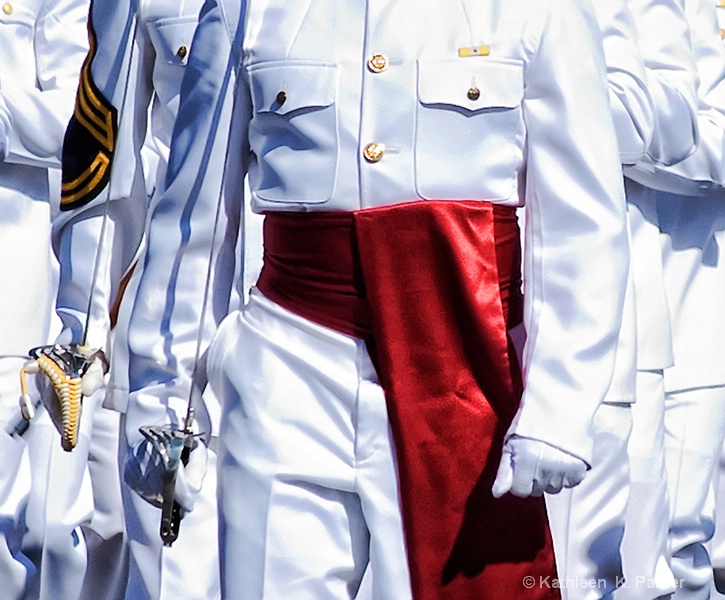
{"x":703,"y":170}
{"x":34,"y":109}
{"x":188,"y":265}
{"x":576,"y":249}
{"x":665,"y":46}
{"x":632,"y":106}
{"x":102,"y":173}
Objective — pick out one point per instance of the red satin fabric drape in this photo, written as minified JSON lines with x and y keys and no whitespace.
{"x":432,"y":287}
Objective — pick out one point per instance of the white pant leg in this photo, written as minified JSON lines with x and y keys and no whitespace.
{"x":645,"y":555}
{"x":61,"y":502}
{"x":187,"y":570}
{"x":694,"y":429}
{"x":308,"y":486}
{"x":587,"y":521}
{"x":14,"y":487}
{"x":107,"y":570}
{"x":717,"y":544}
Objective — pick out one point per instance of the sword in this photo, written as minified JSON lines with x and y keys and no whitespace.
{"x":175,"y":446}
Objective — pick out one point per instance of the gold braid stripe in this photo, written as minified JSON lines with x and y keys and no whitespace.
{"x":92,"y":110}
{"x":86,"y":181}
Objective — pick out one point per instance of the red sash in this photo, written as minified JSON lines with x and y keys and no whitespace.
{"x":425,"y":283}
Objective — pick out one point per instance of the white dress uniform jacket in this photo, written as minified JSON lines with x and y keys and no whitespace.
{"x":135,"y":71}
{"x":308,"y":152}
{"x":42,"y":44}
{"x":692,"y":218}
{"x":663,"y":38}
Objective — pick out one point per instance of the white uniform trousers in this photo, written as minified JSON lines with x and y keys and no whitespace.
{"x":61,"y":502}
{"x":75,"y":526}
{"x":694,"y":430}
{"x":105,"y":536}
{"x":308,"y":484}
{"x":14,"y":487}
{"x":645,"y":554}
{"x":587,"y":521}
{"x":189,"y":568}
{"x":717,"y":544}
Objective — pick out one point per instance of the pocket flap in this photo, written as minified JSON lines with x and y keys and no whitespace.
{"x":471,"y":83}
{"x":284,"y":88}
{"x":172,"y":38}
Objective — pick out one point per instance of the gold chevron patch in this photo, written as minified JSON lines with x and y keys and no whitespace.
{"x":90,"y":139}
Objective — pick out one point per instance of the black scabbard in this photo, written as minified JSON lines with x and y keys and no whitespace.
{"x":171,"y":510}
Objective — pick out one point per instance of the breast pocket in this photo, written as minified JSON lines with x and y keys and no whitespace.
{"x":469,"y":129}
{"x":171,"y":39}
{"x":293,"y":131}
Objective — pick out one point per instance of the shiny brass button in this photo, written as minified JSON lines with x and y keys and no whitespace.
{"x":722,"y":34}
{"x":377,"y":63}
{"x":474,"y":94}
{"x":182,"y":52}
{"x":374,"y":152}
{"x":281,"y":98}
{"x":8,"y":8}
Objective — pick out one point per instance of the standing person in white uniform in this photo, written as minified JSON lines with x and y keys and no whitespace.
{"x":688,"y":210}
{"x":403,"y":111}
{"x":42,"y":48}
{"x":140,"y":53}
{"x":652,"y":92}
{"x":717,"y":545}
{"x":672,"y":80}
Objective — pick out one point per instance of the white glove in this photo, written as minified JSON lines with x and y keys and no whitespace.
{"x":531,"y":467}
{"x":190,"y":477}
{"x":144,"y":470}
{"x":94,"y":377}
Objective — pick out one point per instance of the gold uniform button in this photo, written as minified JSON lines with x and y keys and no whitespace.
{"x":474,"y":94}
{"x":374,"y":152}
{"x":281,"y":98}
{"x":722,"y":34}
{"x":8,"y":8}
{"x":182,"y":52}
{"x":377,"y":63}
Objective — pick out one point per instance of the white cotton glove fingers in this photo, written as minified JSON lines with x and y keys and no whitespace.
{"x":514,"y":475}
{"x":93,"y":378}
{"x":525,"y":476}
{"x":553,"y":482}
{"x":190,"y":477}
{"x":504,"y":475}
{"x":559,"y":469}
{"x":575,"y":475}
{"x":516,"y":472}
{"x":531,"y":467}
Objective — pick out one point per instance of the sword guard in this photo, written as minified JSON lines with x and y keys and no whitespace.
{"x":172,"y":446}
{"x":65,"y":366}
